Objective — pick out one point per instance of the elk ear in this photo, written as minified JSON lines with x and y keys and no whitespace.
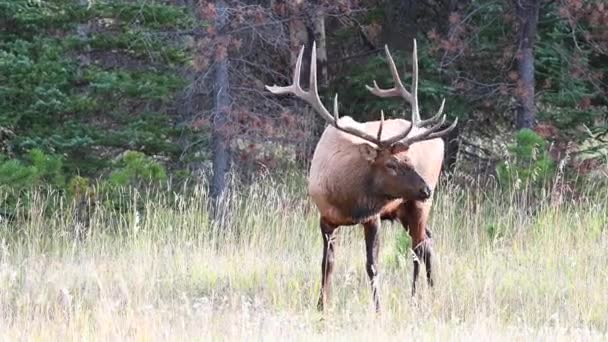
{"x":399,"y":147}
{"x":368,"y":152}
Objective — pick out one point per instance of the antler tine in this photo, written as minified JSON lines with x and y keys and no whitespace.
{"x":312,"y":96}
{"x":315,"y":101}
{"x":437,"y":134}
{"x":336,"y":117}
{"x":398,"y":89}
{"x":363,"y":135}
{"x":381,"y":124}
{"x":434,"y":118}
{"x":431,"y":133}
{"x":298,"y":71}
{"x":312,"y":87}
{"x":398,"y":137}
{"x":425,"y":134}
{"x":294,"y":88}
{"x":441,"y":107}
{"x":443,"y":132}
{"x":415,"y":111}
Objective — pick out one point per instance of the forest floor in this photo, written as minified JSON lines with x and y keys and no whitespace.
{"x":505,"y":270}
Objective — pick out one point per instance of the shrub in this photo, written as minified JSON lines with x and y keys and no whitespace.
{"x":528,"y":161}
{"x":135,"y":168}
{"x":37,"y":169}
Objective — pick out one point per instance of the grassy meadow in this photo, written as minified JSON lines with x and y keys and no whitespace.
{"x":159,"y":270}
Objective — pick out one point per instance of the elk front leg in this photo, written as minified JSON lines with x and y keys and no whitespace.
{"x":371,"y":248}
{"x":414,"y":217}
{"x":424,"y":253}
{"x":327,"y":265}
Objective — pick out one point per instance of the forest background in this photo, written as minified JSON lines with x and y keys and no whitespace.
{"x":125,"y":93}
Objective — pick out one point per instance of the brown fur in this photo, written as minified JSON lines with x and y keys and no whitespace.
{"x":342,"y":186}
{"x":337,"y":180}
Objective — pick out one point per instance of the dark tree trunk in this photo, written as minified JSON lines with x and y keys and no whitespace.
{"x":527,"y":15}
{"x":452,"y":147}
{"x":452,"y":142}
{"x":220,"y":144}
{"x":303,"y":31}
{"x":400,"y":24}
{"x":299,"y":34}
{"x":317,"y":34}
{"x":320,"y":37}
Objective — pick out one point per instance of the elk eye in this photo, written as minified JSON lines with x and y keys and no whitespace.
{"x":391,"y":166}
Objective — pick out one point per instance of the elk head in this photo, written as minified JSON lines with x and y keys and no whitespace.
{"x":392,"y":174}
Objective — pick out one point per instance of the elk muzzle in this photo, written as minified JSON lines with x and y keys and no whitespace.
{"x":425,"y":193}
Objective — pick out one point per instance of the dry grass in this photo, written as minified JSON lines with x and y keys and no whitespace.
{"x":163,"y":272}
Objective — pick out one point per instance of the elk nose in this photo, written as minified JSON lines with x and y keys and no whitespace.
{"x":425,"y":193}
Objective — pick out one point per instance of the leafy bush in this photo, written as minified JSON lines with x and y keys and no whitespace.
{"x":135,"y":168}
{"x":528,"y":161}
{"x":38,"y":169}
{"x":20,"y":177}
{"x":403,"y":250}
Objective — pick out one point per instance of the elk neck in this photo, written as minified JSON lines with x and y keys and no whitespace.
{"x":369,"y":203}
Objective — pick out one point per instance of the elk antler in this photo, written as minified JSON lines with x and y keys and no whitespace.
{"x":398,"y":90}
{"x":312,"y":98}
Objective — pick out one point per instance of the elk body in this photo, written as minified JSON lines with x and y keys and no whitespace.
{"x":362,"y":173}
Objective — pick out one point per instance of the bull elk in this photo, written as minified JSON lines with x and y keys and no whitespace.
{"x":365,"y":172}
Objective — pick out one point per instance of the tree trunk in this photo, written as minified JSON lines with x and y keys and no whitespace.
{"x":400,"y":24}
{"x":316,"y":29}
{"x":527,"y":15}
{"x":319,"y":36}
{"x":452,"y":141}
{"x":220,"y":145}
{"x":300,"y":33}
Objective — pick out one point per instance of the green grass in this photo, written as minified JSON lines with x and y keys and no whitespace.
{"x":503,"y":271}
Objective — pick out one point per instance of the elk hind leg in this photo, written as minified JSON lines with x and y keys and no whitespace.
{"x":327,"y":264}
